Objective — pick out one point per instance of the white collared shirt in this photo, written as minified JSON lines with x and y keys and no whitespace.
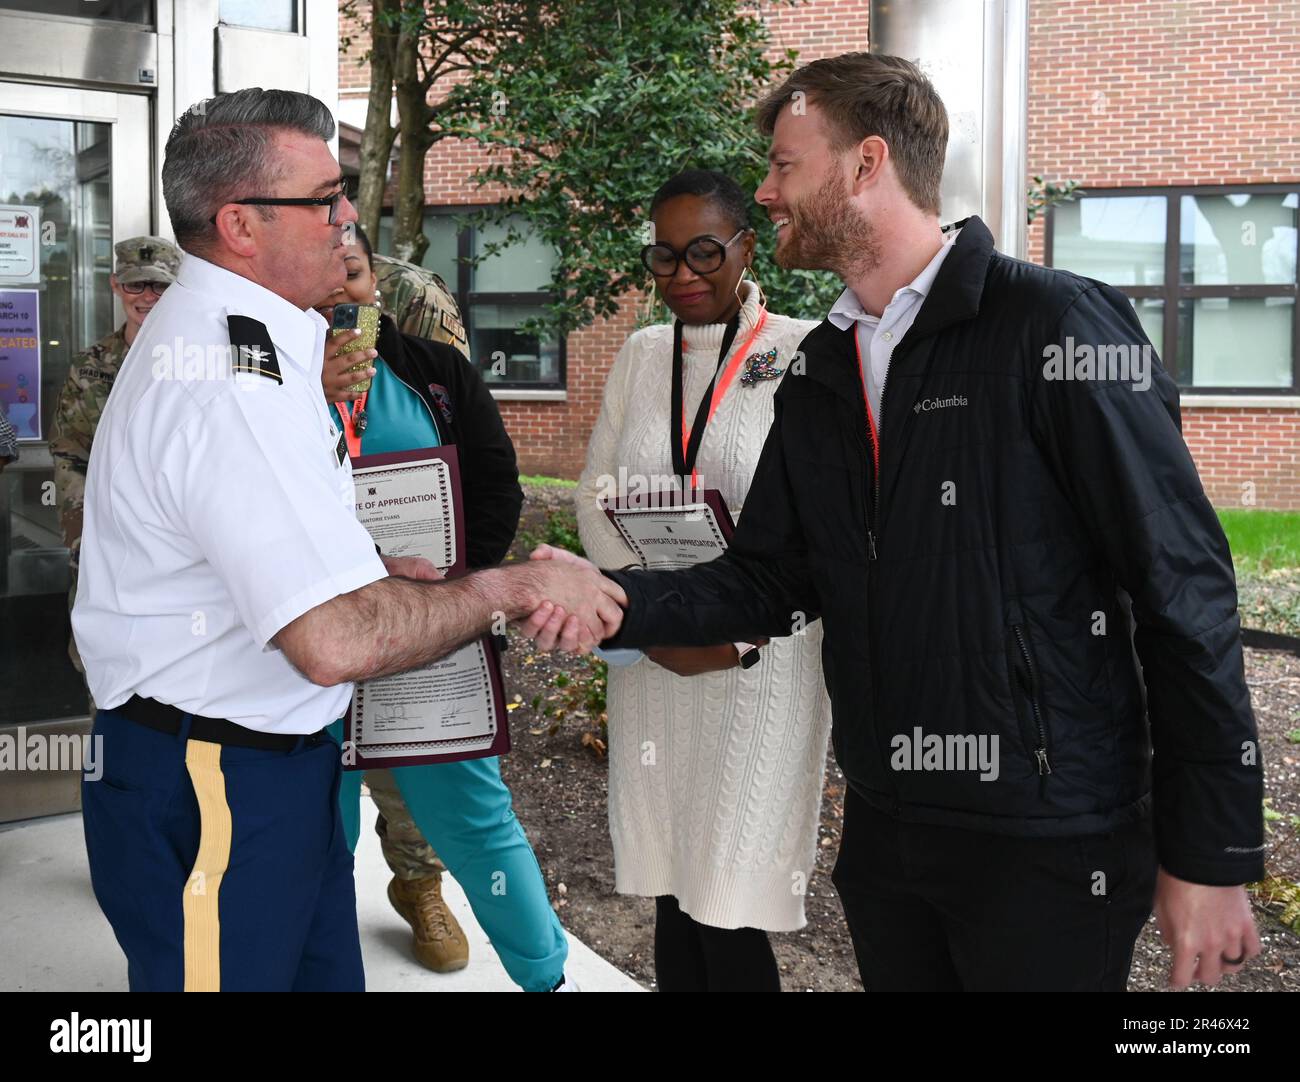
{"x":217,"y":511}
{"x":878,"y":335}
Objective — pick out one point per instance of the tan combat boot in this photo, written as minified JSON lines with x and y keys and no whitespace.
{"x":440,"y":942}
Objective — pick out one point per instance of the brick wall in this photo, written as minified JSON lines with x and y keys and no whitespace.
{"x":1170,"y":92}
{"x":551,"y":437}
{"x":353,"y":74}
{"x":1130,"y":92}
{"x":1247,"y":457}
{"x":1158,"y":92}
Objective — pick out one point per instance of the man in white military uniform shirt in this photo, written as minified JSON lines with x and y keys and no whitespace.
{"x":229,"y":597}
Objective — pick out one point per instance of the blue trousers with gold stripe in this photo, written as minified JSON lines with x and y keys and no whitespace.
{"x":221,"y":868}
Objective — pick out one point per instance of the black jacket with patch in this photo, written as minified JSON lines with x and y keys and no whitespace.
{"x":465,"y":414}
{"x":983,"y":584}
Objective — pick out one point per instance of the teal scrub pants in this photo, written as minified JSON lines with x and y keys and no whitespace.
{"x":464,"y":811}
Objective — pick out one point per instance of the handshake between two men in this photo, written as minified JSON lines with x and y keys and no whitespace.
{"x":412,"y":618}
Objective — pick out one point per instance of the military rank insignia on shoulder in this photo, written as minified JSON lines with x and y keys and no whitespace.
{"x":251,"y":348}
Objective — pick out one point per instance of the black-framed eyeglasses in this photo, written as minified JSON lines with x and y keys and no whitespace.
{"x":136,"y":288}
{"x":332,"y":201}
{"x":703,"y":254}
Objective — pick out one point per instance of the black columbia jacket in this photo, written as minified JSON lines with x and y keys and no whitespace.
{"x":982,"y":585}
{"x":465,"y":413}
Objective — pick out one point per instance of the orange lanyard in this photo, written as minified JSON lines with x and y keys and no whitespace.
{"x":720,"y":389}
{"x":349,"y":416}
{"x":866,"y":401}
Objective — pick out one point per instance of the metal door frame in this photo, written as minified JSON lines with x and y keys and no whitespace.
{"x":25,"y":795}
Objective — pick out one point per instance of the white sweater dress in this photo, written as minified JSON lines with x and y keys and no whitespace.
{"x":715,"y":780}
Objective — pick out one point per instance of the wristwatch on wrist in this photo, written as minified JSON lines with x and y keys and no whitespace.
{"x":749,"y":655}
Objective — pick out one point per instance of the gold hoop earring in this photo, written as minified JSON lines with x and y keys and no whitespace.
{"x":762,"y":297}
{"x":648,"y":316}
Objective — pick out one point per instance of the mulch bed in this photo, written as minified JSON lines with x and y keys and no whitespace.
{"x":560,"y":785}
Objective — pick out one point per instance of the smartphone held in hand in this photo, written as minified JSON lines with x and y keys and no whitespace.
{"x":357,"y":317}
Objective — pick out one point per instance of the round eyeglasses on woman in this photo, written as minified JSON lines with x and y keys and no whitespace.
{"x":136,"y":288}
{"x":704,"y":255}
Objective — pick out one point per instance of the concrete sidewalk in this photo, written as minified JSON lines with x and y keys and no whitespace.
{"x":53,"y":938}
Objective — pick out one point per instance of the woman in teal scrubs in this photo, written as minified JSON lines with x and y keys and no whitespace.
{"x":426,"y":394}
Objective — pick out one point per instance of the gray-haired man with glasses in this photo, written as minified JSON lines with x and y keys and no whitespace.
{"x":229,"y":597}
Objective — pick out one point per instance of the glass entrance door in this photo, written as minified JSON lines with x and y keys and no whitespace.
{"x":76,"y":175}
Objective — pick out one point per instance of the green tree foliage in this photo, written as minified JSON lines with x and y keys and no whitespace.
{"x":1040,"y":195}
{"x":587,"y":107}
{"x":415,"y":48}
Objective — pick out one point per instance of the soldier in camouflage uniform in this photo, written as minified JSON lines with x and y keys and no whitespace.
{"x":419,"y":302}
{"x":144,"y":267}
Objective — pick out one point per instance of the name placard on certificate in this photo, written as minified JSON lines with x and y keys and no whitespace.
{"x":454,"y":708}
{"x":680,"y":530}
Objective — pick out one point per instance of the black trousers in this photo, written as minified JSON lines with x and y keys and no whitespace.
{"x":935,"y":908}
{"x":695,"y":957}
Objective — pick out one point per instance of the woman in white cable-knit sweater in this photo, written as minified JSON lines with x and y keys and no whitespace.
{"x":715,"y":771}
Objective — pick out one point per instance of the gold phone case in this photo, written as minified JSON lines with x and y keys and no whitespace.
{"x":368,"y":325}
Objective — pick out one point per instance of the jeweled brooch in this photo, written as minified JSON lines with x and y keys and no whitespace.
{"x":760,"y":366}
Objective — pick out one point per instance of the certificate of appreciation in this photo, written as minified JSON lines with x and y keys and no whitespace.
{"x":676,"y":529}
{"x":454,"y":708}
{"x":409,"y":501}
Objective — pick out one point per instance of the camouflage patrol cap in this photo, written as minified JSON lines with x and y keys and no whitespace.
{"x":146,"y":259}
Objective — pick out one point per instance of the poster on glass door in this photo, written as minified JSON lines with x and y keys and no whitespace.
{"x":20,"y":360}
{"x":20,"y":259}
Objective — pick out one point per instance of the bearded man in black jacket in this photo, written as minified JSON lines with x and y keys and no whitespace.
{"x":976,"y":478}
